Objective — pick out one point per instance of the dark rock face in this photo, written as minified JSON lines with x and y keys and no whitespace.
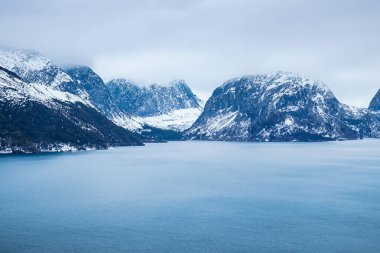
{"x":278,"y":107}
{"x":375,"y":102}
{"x":89,"y":83}
{"x":34,"y":127}
{"x":153,"y":100}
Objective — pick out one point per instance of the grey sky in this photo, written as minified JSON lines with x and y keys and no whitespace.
{"x":206,"y":42}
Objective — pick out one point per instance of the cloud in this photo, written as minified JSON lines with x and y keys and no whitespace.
{"x":206,"y":42}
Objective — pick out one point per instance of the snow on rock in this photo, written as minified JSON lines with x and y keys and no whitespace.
{"x":23,"y":60}
{"x":279,"y":107}
{"x":15,"y":90}
{"x":177,"y":120}
{"x":46,"y":81}
{"x":127,"y":122}
{"x":33,"y":67}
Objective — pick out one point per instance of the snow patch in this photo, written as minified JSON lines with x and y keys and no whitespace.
{"x":177,"y":120}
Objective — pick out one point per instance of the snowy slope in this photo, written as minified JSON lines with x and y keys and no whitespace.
{"x":37,"y":70}
{"x":33,"y":67}
{"x":177,"y":120}
{"x":14,"y":90}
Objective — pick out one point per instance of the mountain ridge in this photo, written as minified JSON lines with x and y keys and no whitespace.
{"x":153,"y":99}
{"x":281,"y":106}
{"x":174,"y":116}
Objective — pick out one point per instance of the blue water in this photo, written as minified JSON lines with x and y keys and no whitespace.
{"x":194,"y":197}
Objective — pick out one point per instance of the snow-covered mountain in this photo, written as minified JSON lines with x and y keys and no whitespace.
{"x":375,"y":102}
{"x":172,"y":107}
{"x":38,"y":83}
{"x":279,"y":107}
{"x":35,"y":68}
{"x":35,"y":117}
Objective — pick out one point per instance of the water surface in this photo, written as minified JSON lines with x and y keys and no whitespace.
{"x":194,"y":197}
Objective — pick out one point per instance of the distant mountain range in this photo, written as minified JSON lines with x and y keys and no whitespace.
{"x":156,"y":112}
{"x":172,"y":107}
{"x":46,"y":108}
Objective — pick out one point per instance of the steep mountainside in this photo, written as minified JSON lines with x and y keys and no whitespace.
{"x":279,"y":107}
{"x":39,"y":117}
{"x":88,"y":82}
{"x":375,"y":102}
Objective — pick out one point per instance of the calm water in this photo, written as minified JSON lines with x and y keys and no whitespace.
{"x":194,"y":197}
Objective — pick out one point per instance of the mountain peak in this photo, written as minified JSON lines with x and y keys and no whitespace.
{"x":178,"y":83}
{"x":23,"y":60}
{"x":79,"y":71}
{"x":121,"y":82}
{"x":92,"y":86}
{"x":78,"y":68}
{"x":33,"y":67}
{"x":277,"y":79}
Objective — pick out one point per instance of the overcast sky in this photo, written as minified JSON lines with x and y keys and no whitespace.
{"x":206,"y":42}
